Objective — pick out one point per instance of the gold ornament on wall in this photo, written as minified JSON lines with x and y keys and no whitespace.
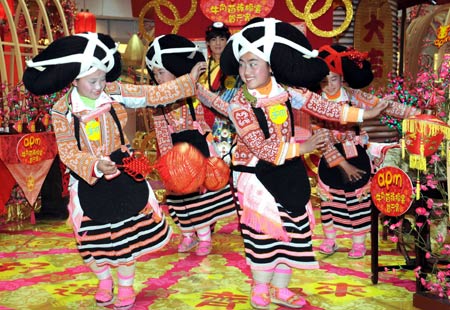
{"x":176,"y":22}
{"x":309,"y":16}
{"x":134,"y":52}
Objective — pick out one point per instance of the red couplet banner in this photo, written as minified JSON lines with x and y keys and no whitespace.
{"x":233,"y":13}
{"x":391,"y":191}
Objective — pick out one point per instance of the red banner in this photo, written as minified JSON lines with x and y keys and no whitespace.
{"x":391,"y":191}
{"x":28,"y":165}
{"x":234,"y":13}
{"x":31,"y":149}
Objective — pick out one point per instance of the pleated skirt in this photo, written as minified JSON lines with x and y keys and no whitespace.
{"x":347,"y":212}
{"x":263,"y":252}
{"x":194,"y":211}
{"x":122,"y":242}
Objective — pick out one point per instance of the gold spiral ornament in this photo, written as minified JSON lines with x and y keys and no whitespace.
{"x":176,"y":22}
{"x":314,"y":15}
{"x":309,"y":16}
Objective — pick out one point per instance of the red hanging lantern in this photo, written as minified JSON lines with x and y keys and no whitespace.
{"x":85,"y":21}
{"x":422,"y":136}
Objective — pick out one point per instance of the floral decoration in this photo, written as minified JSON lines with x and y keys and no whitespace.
{"x":426,"y":223}
{"x":427,"y":91}
{"x":22,"y":111}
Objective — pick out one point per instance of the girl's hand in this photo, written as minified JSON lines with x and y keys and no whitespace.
{"x":317,"y":141}
{"x":380,"y":107}
{"x":350,"y":172}
{"x":107,"y":166}
{"x":198,"y":70}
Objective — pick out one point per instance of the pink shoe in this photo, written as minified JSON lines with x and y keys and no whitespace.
{"x":358,"y":251}
{"x":285,"y":297}
{"x":328,"y":247}
{"x":187,"y":244}
{"x":204,"y":248}
{"x":125,"y":298}
{"x":105,"y":292}
{"x":260,"y":296}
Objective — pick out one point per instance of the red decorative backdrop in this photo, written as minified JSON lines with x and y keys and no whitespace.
{"x":195,"y":28}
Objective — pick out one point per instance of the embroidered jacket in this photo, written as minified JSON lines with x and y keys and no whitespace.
{"x":83,"y":162}
{"x":139,"y":96}
{"x":177,"y":118}
{"x":251,"y":142}
{"x":351,"y":134}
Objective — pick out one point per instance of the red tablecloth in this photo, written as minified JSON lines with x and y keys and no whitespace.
{"x":25,"y":159}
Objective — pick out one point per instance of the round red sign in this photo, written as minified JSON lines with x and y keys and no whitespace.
{"x":31,"y":148}
{"x":391,"y":191}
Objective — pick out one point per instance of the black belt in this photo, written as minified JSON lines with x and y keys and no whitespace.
{"x":242,"y":168}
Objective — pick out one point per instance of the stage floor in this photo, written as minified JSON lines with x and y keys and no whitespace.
{"x":41,"y":269}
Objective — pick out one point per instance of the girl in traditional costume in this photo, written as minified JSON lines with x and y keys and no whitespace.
{"x":345,"y":168}
{"x":273,"y":189}
{"x":168,"y":57}
{"x":115,"y":217}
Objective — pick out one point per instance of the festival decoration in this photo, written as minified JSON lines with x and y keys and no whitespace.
{"x":176,"y":22}
{"x":232,"y":13}
{"x":422,"y":136}
{"x":391,"y":191}
{"x":4,"y":18}
{"x":2,"y":9}
{"x":426,"y":224}
{"x":27,"y":158}
{"x":22,"y":111}
{"x":442,"y":35}
{"x":135,"y":51}
{"x":33,"y":25}
{"x":85,"y":21}
{"x":309,"y":16}
{"x":31,"y":148}
{"x":137,"y":166}
{"x":374,"y":33}
{"x":427,"y":91}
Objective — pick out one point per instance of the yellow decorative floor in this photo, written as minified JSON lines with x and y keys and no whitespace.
{"x":40,"y":268}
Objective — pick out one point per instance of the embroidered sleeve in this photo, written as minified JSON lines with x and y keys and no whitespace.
{"x":367,"y":101}
{"x":331,"y":154}
{"x":399,"y":110}
{"x":315,"y":105}
{"x":361,"y":99}
{"x":138,"y":96}
{"x":212,"y":100}
{"x":82,"y":163}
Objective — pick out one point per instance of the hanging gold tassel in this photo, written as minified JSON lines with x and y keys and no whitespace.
{"x":417,"y":162}
{"x":402,"y":141}
{"x":418,"y":186}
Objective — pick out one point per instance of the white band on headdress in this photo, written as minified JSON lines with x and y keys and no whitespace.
{"x":241,"y":45}
{"x":89,"y":63}
{"x":156,"y":61}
